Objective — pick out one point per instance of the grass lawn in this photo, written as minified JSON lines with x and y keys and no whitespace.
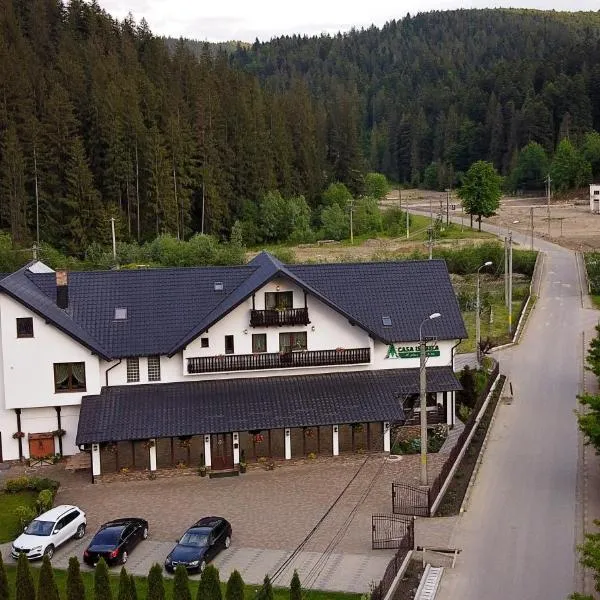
{"x":595,"y":300}
{"x":9,"y":524}
{"x":497,"y":330}
{"x":142,"y":590}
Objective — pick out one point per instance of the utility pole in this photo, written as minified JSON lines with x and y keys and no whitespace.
{"x":506,"y":272}
{"x":351,"y":228}
{"x":407,"y":225}
{"x":430,"y":241}
{"x":431,"y":210}
{"x":548,"y":181}
{"x":114,"y":239}
{"x":37,"y":199}
{"x":202,"y":225}
{"x":137,"y":189}
{"x":478,"y":315}
{"x":447,"y":206}
{"x":510,"y":282}
{"x":531,"y":216}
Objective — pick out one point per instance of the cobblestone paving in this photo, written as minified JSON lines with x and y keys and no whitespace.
{"x":271,"y":513}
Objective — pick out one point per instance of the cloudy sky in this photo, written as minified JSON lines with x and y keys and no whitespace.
{"x":246,"y":20}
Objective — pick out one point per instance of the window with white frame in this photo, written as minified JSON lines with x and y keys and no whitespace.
{"x":290,"y":342}
{"x":133,"y":370}
{"x":154,"y":368}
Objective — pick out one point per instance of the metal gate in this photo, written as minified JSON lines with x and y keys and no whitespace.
{"x":410,"y":500}
{"x":392,"y":531}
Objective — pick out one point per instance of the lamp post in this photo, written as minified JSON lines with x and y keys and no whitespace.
{"x":423,"y":396}
{"x":477,"y":315}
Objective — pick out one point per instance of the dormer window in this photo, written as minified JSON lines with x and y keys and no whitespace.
{"x":279,"y":300}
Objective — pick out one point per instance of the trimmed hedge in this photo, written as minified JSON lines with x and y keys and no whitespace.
{"x":30,"y":484}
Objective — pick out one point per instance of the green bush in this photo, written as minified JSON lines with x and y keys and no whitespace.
{"x":32,"y":484}
{"x":45,"y":500}
{"x":25,"y":514}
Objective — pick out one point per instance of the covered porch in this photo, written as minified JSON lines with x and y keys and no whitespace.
{"x":221,"y":424}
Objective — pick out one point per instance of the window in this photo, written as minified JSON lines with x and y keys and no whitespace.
{"x":259,"y":342}
{"x":229,"y":344}
{"x":279,"y":300}
{"x":133,"y":370}
{"x":204,"y":342}
{"x":25,"y":327}
{"x":69,"y":377}
{"x":154,"y":368}
{"x":288,"y":342}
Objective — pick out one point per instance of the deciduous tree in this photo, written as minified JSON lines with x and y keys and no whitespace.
{"x":481,"y":190}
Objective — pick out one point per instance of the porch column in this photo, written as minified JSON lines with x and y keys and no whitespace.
{"x":152,"y":450}
{"x":207,"y":459}
{"x":236,"y":448}
{"x":386,"y":436}
{"x":450,"y":408}
{"x":336,"y":440}
{"x":96,"y":460}
{"x":288,"y":443}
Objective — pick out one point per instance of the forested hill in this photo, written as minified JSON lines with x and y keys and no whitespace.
{"x":446,"y":87}
{"x":100,"y":118}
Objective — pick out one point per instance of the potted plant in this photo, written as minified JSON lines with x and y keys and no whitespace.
{"x":59,"y":433}
{"x":18,"y":435}
{"x":202,"y":470}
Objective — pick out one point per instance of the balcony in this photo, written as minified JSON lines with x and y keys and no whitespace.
{"x":277,"y":318}
{"x":278,"y":360}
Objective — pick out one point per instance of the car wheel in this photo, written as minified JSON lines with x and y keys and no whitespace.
{"x":124,"y":557}
{"x":202,"y":566}
{"x":227,"y":542}
{"x":145,"y":533}
{"x":49,"y":551}
{"x":80,"y":531}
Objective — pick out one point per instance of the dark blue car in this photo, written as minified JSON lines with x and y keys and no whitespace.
{"x":200,"y":544}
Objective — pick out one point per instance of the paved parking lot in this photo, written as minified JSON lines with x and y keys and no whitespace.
{"x":271,"y":513}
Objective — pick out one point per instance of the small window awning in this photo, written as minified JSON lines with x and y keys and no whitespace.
{"x":136,"y":412}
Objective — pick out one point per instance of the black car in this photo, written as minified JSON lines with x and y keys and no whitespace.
{"x":200,"y":544}
{"x":115,"y":540}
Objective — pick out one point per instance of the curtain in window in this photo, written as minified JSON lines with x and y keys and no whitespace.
{"x":78,"y":370}
{"x":61,"y":373}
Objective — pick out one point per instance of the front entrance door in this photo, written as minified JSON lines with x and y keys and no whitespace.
{"x":221,"y":451}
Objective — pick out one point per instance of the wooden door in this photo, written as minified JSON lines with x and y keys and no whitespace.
{"x":41,"y":445}
{"x":221,"y":452}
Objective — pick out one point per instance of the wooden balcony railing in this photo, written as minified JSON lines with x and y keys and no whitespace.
{"x":276,"y":318}
{"x":278,"y":360}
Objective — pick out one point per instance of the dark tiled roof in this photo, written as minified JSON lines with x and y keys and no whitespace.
{"x":201,"y":407}
{"x":407,"y":292}
{"x":169,"y":308}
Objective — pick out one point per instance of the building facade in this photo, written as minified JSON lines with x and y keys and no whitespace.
{"x":156,"y":367}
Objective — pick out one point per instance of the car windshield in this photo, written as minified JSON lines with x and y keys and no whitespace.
{"x":39,"y":527}
{"x":107,"y":537}
{"x":194,"y":538}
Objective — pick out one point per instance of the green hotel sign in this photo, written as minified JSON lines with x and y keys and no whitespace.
{"x":411,"y":351}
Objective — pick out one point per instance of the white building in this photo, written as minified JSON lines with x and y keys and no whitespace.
{"x":595,"y":198}
{"x":148,"y":368}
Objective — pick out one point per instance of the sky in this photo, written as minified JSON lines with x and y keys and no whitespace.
{"x":246,"y":20}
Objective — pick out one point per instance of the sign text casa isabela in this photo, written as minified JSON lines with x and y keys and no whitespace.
{"x":411,"y":351}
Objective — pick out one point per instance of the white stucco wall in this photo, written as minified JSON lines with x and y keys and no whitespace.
{"x":28,"y":362}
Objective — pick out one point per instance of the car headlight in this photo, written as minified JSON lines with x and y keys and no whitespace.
{"x":194,"y":563}
{"x":36,"y":549}
{"x":169,"y":560}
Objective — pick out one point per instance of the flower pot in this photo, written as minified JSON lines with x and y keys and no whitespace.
{"x":243,"y":467}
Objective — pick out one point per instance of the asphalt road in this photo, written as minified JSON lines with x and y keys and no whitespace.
{"x":519,"y":533}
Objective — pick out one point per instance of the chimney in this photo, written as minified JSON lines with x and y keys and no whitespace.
{"x":62,"y":289}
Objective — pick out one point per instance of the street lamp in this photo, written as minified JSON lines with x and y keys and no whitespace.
{"x":423,"y":396}
{"x":477,"y":316}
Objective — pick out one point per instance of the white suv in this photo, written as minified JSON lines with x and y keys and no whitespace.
{"x":48,"y":531}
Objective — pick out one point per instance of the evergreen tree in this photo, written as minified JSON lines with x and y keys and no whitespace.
{"x":531,"y":168}
{"x":181,"y":586}
{"x":266,"y":591}
{"x":295,"y":588}
{"x":209,"y":587}
{"x":235,"y":587}
{"x":24,"y":588}
{"x":4,"y":589}
{"x":132,"y":588}
{"x":75,"y":587}
{"x":124,"y":587}
{"x":156,"y":584}
{"x":47,"y":589}
{"x":102,"y":590}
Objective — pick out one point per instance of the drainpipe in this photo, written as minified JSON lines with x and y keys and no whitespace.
{"x":111,"y":368}
{"x":59,"y":427}
{"x":20,"y":440}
